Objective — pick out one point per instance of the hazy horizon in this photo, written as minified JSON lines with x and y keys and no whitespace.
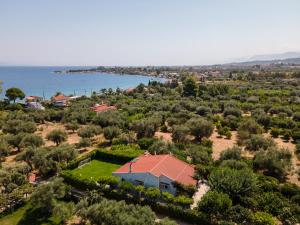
{"x":141,"y":32}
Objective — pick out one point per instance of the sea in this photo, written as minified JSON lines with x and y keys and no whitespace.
{"x":43,"y":82}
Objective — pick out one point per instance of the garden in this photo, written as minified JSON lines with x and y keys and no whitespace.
{"x":95,"y":170}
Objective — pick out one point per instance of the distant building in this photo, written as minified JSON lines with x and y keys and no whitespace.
{"x":60,"y":100}
{"x":33,"y":99}
{"x":35,"y":105}
{"x":160,"y":171}
{"x":34,"y":102}
{"x":103,"y":107}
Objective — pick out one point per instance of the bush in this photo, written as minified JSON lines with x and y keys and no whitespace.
{"x":111,"y":132}
{"x":262,"y":218}
{"x":84,"y":142}
{"x":296,"y":135}
{"x":231,"y":153}
{"x":145,"y":143}
{"x":275,"y":132}
{"x":275,"y":162}
{"x":215,"y":203}
{"x":234,"y":164}
{"x":235,"y":183}
{"x":152,"y":194}
{"x":89,"y":131}
{"x":258,"y":142}
{"x":183,"y":201}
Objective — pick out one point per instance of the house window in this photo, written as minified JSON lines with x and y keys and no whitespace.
{"x":163,"y":185}
{"x":138,"y":182}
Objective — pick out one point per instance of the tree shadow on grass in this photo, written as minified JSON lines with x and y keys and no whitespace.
{"x":36,"y":217}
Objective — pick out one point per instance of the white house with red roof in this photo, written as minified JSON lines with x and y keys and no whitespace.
{"x":60,"y":100}
{"x":160,"y":171}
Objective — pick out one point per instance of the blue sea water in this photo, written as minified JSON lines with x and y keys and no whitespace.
{"x":41,"y":81}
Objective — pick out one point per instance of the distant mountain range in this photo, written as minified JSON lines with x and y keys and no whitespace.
{"x":288,"y":58}
{"x":286,"y":55}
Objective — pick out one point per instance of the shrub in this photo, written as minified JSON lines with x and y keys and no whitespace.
{"x":89,"y":131}
{"x":180,"y":134}
{"x":145,"y":143}
{"x":152,"y":194}
{"x":258,"y":142}
{"x":234,"y":164}
{"x":275,"y":132}
{"x":275,"y":162}
{"x":296,"y":135}
{"x":233,"y":112}
{"x":248,"y":128}
{"x":215,"y":203}
{"x":235,"y":183}
{"x":262,"y":218}
{"x":183,"y":201}
{"x":169,"y":198}
{"x":73,"y":126}
{"x":111,"y":132}
{"x":231,"y":153}
{"x":84,"y":142}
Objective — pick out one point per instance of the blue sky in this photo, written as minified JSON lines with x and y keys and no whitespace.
{"x":145,"y":32}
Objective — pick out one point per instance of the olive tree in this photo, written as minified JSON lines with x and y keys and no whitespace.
{"x":200,"y":128}
{"x":57,"y":136}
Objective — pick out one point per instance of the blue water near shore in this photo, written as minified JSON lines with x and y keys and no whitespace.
{"x":41,"y":81}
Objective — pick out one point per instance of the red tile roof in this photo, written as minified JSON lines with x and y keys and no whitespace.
{"x":60,"y":97}
{"x":103,"y":107}
{"x":158,"y":165}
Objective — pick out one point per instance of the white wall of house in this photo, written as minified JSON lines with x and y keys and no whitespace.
{"x":148,"y":180}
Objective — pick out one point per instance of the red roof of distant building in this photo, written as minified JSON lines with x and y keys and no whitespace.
{"x":165,"y":165}
{"x":103,"y":107}
{"x":60,"y":97}
{"x":32,"y":98}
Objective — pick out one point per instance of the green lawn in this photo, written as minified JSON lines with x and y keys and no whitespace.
{"x":28,"y":216}
{"x":95,"y":170}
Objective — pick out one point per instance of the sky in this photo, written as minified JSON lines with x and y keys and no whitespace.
{"x":145,"y":32}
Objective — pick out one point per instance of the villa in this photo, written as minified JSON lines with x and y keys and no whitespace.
{"x":160,"y":171}
{"x":60,"y":100}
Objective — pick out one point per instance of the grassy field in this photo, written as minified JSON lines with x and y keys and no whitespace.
{"x":95,"y":169}
{"x":28,"y":216}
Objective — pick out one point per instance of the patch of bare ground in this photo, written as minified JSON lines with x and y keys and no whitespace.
{"x":220,"y":143}
{"x":46,"y":128}
{"x":164,"y":136}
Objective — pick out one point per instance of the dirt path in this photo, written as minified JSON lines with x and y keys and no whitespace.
{"x":202,"y":190}
{"x":164,"y":136}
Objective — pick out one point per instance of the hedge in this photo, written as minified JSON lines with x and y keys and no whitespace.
{"x":119,"y":154}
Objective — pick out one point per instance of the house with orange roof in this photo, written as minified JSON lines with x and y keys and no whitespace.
{"x":60,"y":100}
{"x":160,"y":171}
{"x":103,"y":107}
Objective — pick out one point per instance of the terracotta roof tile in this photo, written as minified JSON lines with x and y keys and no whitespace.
{"x":158,"y":165}
{"x":103,"y":107}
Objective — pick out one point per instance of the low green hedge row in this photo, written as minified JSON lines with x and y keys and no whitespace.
{"x":118,"y":154}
